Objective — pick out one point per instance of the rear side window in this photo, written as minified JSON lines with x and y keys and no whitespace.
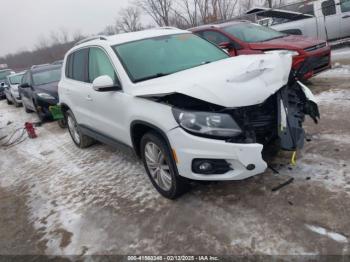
{"x":99,"y":65}
{"x":76,"y":67}
{"x":345,"y":5}
{"x":329,"y":8}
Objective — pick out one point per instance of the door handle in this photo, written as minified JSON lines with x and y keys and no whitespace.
{"x":88,"y":98}
{"x":346,"y":16}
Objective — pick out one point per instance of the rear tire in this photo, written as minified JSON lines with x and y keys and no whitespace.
{"x":62,"y":123}
{"x":27,"y":110}
{"x":161,"y":167}
{"x":17,"y":104}
{"x":81,"y":140}
{"x":8,"y":101}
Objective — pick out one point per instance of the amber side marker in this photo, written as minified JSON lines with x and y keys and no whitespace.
{"x":175,"y":156}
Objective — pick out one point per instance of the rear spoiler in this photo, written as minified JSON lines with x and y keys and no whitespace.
{"x":278,"y":13}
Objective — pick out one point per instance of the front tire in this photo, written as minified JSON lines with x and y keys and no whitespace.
{"x":81,"y":140}
{"x":28,"y":111}
{"x":161,"y":167}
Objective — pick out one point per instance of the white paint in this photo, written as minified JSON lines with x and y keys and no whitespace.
{"x":324,"y":232}
{"x":233,"y":82}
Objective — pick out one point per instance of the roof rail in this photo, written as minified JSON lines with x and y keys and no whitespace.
{"x":100,"y":37}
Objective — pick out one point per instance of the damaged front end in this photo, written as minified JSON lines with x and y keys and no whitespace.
{"x":262,"y":96}
{"x":280,"y":118}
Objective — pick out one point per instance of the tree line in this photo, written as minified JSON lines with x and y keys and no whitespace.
{"x":178,"y":13}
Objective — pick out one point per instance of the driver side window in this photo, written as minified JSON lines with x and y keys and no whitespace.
{"x":99,"y":65}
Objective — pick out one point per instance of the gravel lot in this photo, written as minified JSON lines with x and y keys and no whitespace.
{"x":57,"y":199}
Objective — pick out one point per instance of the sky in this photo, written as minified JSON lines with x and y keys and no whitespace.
{"x":24,"y":22}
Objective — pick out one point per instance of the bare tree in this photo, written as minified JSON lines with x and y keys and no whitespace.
{"x":196,"y":12}
{"x":77,"y":36}
{"x":226,"y":9}
{"x":110,"y":30}
{"x":42,"y":43}
{"x":129,"y":19}
{"x":159,"y":10}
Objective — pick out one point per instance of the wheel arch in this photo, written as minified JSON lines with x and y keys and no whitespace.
{"x":64,"y":108}
{"x":139,"y":128}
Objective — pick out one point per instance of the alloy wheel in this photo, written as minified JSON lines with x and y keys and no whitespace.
{"x":158,"y":166}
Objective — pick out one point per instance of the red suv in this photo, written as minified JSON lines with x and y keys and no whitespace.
{"x":245,"y":38}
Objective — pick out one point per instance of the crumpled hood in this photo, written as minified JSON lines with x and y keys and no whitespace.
{"x":233,"y":82}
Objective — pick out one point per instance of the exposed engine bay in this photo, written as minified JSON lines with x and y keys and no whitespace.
{"x":279,"y":118}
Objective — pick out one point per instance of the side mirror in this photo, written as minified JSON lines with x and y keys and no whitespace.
{"x":226,"y":45}
{"x":105,"y":84}
{"x":229,"y":47}
{"x":25,"y":85}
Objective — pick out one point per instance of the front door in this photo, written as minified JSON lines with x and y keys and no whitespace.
{"x":107,"y":116}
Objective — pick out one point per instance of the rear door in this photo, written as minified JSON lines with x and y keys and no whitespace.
{"x":26,"y":93}
{"x":331,"y":19}
{"x":76,"y":87}
{"x":345,"y":18}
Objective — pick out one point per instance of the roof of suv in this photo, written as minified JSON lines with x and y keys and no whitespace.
{"x":135,"y":36}
{"x":45,"y":68}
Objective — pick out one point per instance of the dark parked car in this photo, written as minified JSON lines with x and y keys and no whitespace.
{"x":246,"y":38}
{"x":3,"y":81}
{"x":38,"y":90}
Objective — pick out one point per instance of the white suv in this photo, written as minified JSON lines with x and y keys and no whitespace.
{"x":187,"y":109}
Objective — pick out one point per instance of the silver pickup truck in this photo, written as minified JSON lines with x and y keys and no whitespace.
{"x":324,"y":19}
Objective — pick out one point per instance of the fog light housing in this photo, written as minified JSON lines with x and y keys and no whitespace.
{"x":210,"y":166}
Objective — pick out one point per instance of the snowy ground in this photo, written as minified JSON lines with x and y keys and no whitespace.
{"x":58,"y":199}
{"x":341,"y":64}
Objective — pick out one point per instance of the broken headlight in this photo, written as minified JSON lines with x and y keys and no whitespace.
{"x":207,"y":123}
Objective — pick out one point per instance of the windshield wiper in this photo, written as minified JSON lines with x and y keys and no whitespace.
{"x":281,"y":36}
{"x":151,"y":77}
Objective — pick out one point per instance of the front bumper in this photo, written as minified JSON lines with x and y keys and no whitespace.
{"x":16,"y":96}
{"x":317,"y":62}
{"x":189,"y":147}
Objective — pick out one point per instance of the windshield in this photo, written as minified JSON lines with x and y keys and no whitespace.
{"x":3,"y":74}
{"x":46,"y":77}
{"x":252,"y":33}
{"x":16,"y":79}
{"x":160,"y":56}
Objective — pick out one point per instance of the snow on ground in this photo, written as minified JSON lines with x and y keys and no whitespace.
{"x":322,"y":231}
{"x":100,"y":201}
{"x":341,"y":64}
{"x":338,"y":70}
{"x":334,"y":173}
{"x":341,"y":54}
